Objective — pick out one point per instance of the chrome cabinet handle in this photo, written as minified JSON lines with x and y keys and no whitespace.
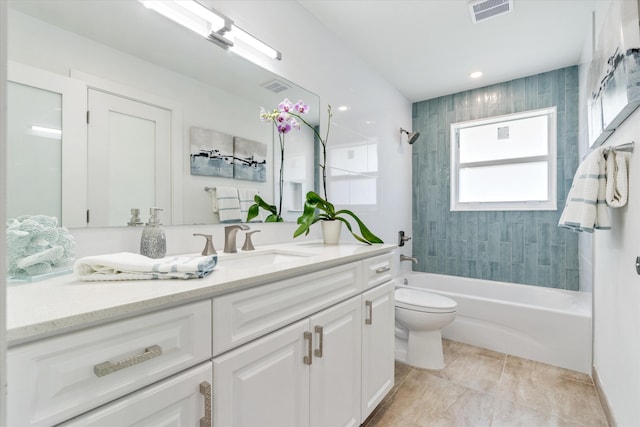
{"x":106,"y":368}
{"x":369,"y":306}
{"x":205,"y":390}
{"x":383,"y":269}
{"x":318,"y":351}
{"x":307,"y":358}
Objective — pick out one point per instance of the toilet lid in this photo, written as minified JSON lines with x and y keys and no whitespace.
{"x":419,"y":300}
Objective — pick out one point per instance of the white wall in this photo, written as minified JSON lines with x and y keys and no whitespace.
{"x":616,"y":294}
{"x":3,"y":162}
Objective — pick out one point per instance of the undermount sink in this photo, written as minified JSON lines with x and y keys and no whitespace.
{"x":244,"y":260}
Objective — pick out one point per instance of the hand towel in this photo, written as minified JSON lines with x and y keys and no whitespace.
{"x":246,"y":196}
{"x":586,"y":207}
{"x":228,"y":204}
{"x":130,"y":266}
{"x":617,"y":180}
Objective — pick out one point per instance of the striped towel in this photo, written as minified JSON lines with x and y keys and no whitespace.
{"x":617,"y":180}
{"x":246,"y":200}
{"x":130,"y":266}
{"x":586,"y":207}
{"x":228,"y":204}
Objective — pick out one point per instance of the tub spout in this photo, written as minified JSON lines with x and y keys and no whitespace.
{"x":408,"y":258}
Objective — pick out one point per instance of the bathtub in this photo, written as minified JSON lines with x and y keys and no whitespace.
{"x":552,"y":326}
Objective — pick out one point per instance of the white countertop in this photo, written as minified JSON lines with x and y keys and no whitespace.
{"x":61,"y":304}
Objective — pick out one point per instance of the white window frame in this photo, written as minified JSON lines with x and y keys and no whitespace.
{"x":550,"y":158}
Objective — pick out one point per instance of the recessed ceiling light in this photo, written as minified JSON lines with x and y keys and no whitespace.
{"x":343,"y":108}
{"x":475,"y":74}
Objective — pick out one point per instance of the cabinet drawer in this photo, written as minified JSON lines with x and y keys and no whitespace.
{"x":58,"y":378}
{"x":377,"y":270}
{"x":242,"y":316}
{"x":179,"y":400}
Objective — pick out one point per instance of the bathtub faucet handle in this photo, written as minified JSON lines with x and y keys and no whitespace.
{"x":402,"y":238}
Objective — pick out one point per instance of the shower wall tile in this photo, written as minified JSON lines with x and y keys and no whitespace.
{"x":515,"y":246}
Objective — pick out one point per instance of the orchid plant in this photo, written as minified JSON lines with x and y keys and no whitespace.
{"x":317,"y":208}
{"x":284,"y":119}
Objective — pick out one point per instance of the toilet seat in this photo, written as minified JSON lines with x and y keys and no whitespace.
{"x":419,"y":300}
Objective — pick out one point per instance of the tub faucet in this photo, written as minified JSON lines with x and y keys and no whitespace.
{"x":408,"y":258}
{"x":230,"y":232}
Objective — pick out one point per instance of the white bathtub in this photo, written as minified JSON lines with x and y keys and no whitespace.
{"x":552,"y":326}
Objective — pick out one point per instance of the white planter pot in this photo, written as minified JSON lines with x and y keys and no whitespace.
{"x":331,"y":232}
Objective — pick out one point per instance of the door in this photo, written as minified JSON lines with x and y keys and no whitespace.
{"x":129,"y":159}
{"x":265,"y":382}
{"x":377,"y":346}
{"x":181,"y":400}
{"x":335,"y":372}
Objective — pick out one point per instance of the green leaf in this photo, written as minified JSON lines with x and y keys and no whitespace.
{"x":366,"y":233}
{"x":253,"y":212}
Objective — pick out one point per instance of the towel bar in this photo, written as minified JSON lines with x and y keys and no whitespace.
{"x":622,"y":147}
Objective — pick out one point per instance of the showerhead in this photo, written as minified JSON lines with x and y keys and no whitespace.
{"x":411,"y":136}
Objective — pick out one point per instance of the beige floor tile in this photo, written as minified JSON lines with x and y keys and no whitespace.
{"x":547,"y":389}
{"x":510,"y":414}
{"x":479,"y":372}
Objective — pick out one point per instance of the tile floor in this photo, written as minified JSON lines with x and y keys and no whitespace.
{"x":481,"y":387}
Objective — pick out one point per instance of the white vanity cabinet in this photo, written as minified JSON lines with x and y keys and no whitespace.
{"x":55,"y":379}
{"x":327,"y":369}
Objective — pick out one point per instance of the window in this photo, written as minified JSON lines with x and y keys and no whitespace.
{"x":504,"y":163}
{"x":352,"y":174}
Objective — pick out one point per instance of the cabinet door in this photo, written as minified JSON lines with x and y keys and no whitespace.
{"x":335,"y":372}
{"x":180,"y":401}
{"x":377,"y":346}
{"x":265,"y":382}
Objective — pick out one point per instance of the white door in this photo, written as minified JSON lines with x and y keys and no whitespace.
{"x":180,"y":401}
{"x":335,"y":372}
{"x":377,"y":346}
{"x":265,"y":382}
{"x":129,"y":161}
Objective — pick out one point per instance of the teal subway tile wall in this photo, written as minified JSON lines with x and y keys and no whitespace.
{"x":513,"y":246}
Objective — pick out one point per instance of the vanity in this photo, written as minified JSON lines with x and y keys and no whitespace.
{"x":289,"y":335}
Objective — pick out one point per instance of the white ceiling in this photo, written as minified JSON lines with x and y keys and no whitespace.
{"x":428,"y":48}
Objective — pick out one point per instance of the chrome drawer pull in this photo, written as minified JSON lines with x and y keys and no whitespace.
{"x":106,"y":368}
{"x":369,"y":319}
{"x":318,"y":351}
{"x":205,"y":390}
{"x":383,"y":269}
{"x":307,"y":358}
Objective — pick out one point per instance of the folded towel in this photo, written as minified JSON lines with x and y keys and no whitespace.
{"x":246,"y":196}
{"x":617,"y":180}
{"x":228,"y":204}
{"x":130,"y":266}
{"x":586,"y":207}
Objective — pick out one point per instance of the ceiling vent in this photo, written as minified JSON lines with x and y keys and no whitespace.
{"x":275,"y":86}
{"x":482,"y":10}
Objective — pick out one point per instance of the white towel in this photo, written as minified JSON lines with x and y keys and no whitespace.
{"x":586,"y":207}
{"x":246,"y":196}
{"x":617,"y":180}
{"x":228,"y":204}
{"x":130,"y":266}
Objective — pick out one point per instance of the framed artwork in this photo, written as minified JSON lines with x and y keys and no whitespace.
{"x":249,"y":160}
{"x":211,"y":153}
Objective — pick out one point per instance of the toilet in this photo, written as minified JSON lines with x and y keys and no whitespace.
{"x":420,"y":317}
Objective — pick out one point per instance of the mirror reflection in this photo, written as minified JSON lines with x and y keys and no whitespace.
{"x":108,"y":103}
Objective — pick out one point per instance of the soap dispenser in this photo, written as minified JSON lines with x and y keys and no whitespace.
{"x":153,"y":243}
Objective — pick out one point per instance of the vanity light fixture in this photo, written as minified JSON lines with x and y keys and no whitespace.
{"x":237,"y":34}
{"x":210,"y":24}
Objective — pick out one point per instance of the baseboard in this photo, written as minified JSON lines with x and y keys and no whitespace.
{"x":603,"y":397}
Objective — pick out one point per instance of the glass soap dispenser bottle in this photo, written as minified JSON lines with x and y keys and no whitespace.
{"x":154,"y":242}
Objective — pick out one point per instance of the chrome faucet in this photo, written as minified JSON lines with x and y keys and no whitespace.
{"x":230,"y":233}
{"x":408,"y":258}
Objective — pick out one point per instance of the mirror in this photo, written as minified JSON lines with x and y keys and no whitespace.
{"x":80,"y":52}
